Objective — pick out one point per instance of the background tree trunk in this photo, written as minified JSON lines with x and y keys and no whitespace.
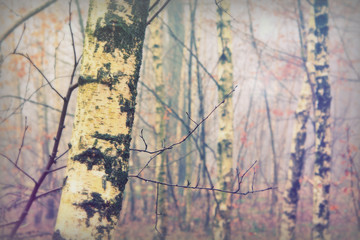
{"x":321,"y":188}
{"x":297,"y":154}
{"x":156,"y":47}
{"x":226,"y":133}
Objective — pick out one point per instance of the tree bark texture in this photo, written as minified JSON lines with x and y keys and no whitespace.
{"x":297,"y":154}
{"x":321,"y":188}
{"x":97,"y":169}
{"x":226,"y":133}
{"x":156,"y":47}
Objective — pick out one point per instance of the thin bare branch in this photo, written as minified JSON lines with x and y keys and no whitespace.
{"x":210,"y":188}
{"x":42,"y":74}
{"x":152,"y":6}
{"x":26,"y":17}
{"x":47,"y":193}
{"x":17,"y":167}
{"x":22,"y":142}
{"x":72,"y":34}
{"x":173,"y":35}
{"x":56,"y":169}
{"x":217,"y":3}
{"x":34,"y":102}
{"x":60,"y":156}
{"x":191,"y":118}
{"x":157,"y":13}
{"x":191,"y":131}
{"x":50,"y":162}
{"x":22,"y":34}
{"x":142,"y":137}
{"x":8,"y":224}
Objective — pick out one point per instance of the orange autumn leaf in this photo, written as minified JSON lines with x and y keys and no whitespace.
{"x":334,"y":208}
{"x":166,"y":116}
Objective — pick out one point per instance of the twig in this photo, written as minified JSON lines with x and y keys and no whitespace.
{"x":157,"y":13}
{"x":26,"y":99}
{"x":8,"y":224}
{"x":22,"y":142}
{"x":26,"y":17}
{"x":173,"y":112}
{"x":191,"y":118}
{"x":57,"y":158}
{"x":17,"y":167}
{"x":147,"y":164}
{"x":156,"y":208}
{"x":72,"y":34}
{"x":172,"y":34}
{"x":222,"y":9}
{"x":157,"y":152}
{"x":51,"y":161}
{"x":22,"y":34}
{"x":42,"y":74}
{"x":152,"y":6}
{"x":56,"y":169}
{"x":211,"y":188}
{"x":34,"y":102}
{"x":47,"y":193}
{"x":146,"y":122}
{"x":142,"y":137}
{"x":252,"y":184}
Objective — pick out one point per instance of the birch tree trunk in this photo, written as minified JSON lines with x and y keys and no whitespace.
{"x":156,"y":42}
{"x":189,"y":159}
{"x":297,"y":154}
{"x":226,"y":133}
{"x":174,"y":68}
{"x":97,"y":169}
{"x":321,"y":188}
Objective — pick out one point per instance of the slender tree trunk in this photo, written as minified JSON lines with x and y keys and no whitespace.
{"x":275,"y":164}
{"x":297,"y":154}
{"x":174,"y":69}
{"x":97,"y":169}
{"x":202,"y":142}
{"x":354,"y":176}
{"x":222,"y":228}
{"x":132,"y":194}
{"x":321,"y":188}
{"x":189,"y":158}
{"x":292,"y":187}
{"x":156,"y":46}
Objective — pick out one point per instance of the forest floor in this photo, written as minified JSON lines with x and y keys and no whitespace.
{"x":252,"y":220}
